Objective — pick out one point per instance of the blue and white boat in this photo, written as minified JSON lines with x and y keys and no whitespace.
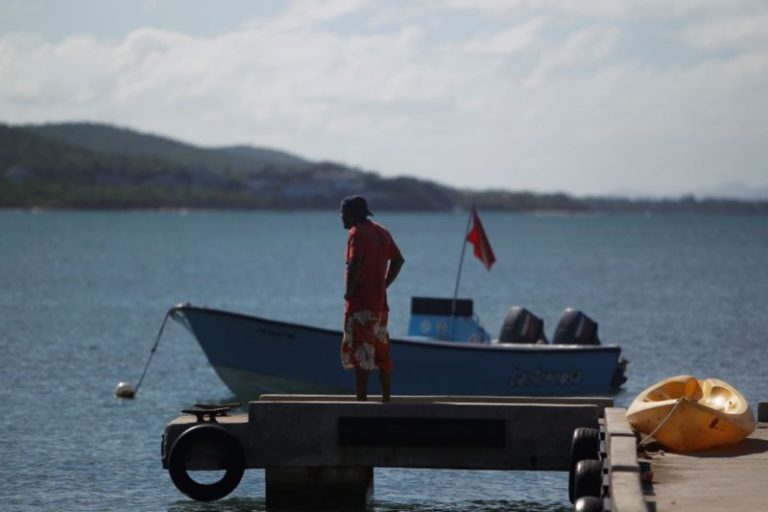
{"x":446,"y":352}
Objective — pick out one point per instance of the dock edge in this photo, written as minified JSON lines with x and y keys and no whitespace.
{"x":624,"y":475}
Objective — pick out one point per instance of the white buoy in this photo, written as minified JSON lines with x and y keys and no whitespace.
{"x":124,"y":390}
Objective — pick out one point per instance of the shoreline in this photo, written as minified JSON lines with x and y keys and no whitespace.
{"x":762,"y":209}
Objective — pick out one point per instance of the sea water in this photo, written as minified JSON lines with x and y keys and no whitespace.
{"x":82,"y":295}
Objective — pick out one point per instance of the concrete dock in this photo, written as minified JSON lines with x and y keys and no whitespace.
{"x":718,"y":479}
{"x":323,"y":449}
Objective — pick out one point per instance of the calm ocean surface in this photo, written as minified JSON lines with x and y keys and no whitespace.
{"x":82,"y":296}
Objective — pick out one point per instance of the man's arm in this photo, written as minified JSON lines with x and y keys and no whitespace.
{"x":353,"y":276}
{"x":395,"y":265}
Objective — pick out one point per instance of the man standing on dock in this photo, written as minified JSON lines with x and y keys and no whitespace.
{"x":373,"y":262}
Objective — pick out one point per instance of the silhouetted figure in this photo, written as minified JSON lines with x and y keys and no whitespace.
{"x":373,"y":262}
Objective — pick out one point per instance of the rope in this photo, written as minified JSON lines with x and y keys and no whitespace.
{"x":645,"y":440}
{"x":154,"y":348}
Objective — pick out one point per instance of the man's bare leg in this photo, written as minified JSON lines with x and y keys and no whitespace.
{"x":385,"y":381}
{"x":361,"y":384}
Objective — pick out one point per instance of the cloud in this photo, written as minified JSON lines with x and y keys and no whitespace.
{"x":276,"y":73}
{"x":517,"y":38}
{"x":325,"y":9}
{"x":538,"y":96}
{"x":582,"y":48}
{"x":302,"y":14}
{"x":735,"y":32}
{"x":592,"y":8}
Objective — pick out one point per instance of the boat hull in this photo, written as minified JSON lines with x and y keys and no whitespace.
{"x":254,"y":356}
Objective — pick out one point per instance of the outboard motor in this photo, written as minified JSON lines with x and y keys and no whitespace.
{"x":619,"y":374}
{"x":576,"y":328}
{"x":522,"y":326}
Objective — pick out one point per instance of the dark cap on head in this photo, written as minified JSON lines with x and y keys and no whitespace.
{"x":356,"y":205}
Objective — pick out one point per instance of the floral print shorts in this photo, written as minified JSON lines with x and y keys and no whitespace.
{"x":366,"y":341}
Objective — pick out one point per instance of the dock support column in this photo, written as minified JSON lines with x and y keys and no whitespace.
{"x":319,"y":488}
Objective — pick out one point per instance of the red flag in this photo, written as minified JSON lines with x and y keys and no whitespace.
{"x":477,"y":238}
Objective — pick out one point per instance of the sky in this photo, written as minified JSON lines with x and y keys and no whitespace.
{"x":586,"y":97}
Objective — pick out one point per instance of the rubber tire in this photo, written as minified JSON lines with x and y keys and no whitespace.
{"x":585,"y":444}
{"x":588,"y":479}
{"x":588,"y":504}
{"x":233,"y":459}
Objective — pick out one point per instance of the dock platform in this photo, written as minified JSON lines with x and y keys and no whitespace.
{"x":716,"y":480}
{"x":322,"y":450}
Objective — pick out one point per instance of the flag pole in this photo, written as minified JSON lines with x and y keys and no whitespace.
{"x":461,"y":262}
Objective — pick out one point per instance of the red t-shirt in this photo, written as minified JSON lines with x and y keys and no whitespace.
{"x":372,"y":245}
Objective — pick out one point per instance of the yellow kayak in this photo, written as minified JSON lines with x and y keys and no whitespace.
{"x":686,"y":414}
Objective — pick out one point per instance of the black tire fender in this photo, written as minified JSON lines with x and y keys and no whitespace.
{"x":588,"y":504}
{"x":585,"y":444}
{"x":588,"y":479}
{"x":232,"y":460}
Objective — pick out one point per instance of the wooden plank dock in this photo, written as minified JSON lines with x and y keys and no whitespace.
{"x":726,"y":478}
{"x":719,"y":479}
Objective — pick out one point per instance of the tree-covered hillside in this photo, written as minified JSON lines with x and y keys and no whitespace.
{"x":87,"y":165}
{"x":90,"y":165}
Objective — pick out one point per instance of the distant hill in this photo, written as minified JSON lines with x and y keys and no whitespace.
{"x":735,"y":190}
{"x":263,"y":155}
{"x":106,"y":139}
{"x":89,"y":165}
{"x":86,"y":165}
